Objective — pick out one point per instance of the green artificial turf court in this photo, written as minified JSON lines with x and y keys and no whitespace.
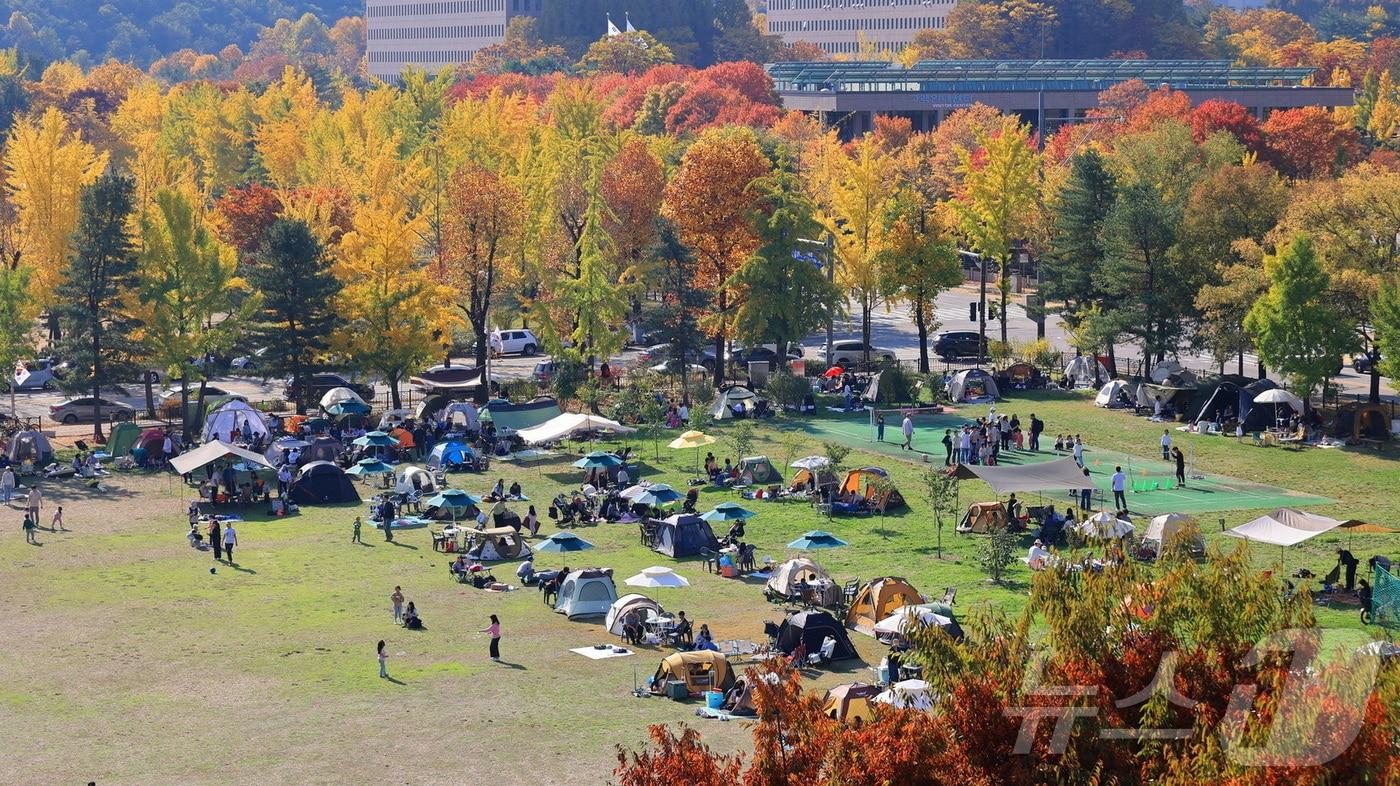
{"x":1152,"y":483}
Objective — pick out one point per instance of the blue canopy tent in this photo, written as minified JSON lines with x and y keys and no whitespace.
{"x":451,"y":455}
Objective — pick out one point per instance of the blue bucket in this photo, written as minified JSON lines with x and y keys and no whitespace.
{"x":714,"y":699}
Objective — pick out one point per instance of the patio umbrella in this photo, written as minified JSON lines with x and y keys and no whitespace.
{"x":817,"y":539}
{"x":658,"y":494}
{"x":692,"y":439}
{"x":1104,"y":526}
{"x":834,"y":371}
{"x":341,"y":409}
{"x":1278,"y":396}
{"x":563,"y":541}
{"x":376,"y":439}
{"x":728,"y":511}
{"x":657,"y":576}
{"x":598,"y":459}
{"x":632,"y":492}
{"x":452,"y":498}
{"x":370,"y":466}
{"x":811,"y":463}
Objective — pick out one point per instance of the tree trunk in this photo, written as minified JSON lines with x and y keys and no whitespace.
{"x":866,"y":304}
{"x":392,"y":380}
{"x":482,"y":394}
{"x":921,"y":322}
{"x":1112,"y":360}
{"x":1004,"y":289}
{"x":982,"y":314}
{"x":1374,"y":394}
{"x":1241,"y":362}
{"x":96,"y":379}
{"x":184,"y":410}
{"x":302,"y":391}
{"x":1263,"y":372}
{"x":199,"y":405}
{"x":150,"y":395}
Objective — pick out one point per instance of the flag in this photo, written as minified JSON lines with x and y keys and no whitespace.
{"x":628,"y":16}
{"x":612,"y":28}
{"x":21,"y":373}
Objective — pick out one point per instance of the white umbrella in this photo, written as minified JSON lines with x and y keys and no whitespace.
{"x":1279,"y":396}
{"x":632,"y":492}
{"x":811,"y":463}
{"x":899,"y":621}
{"x":1104,"y":526}
{"x":909,"y":694}
{"x":657,"y":576}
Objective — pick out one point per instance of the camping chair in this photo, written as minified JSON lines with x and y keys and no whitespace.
{"x":848,"y":593}
{"x":823,"y":656}
{"x":648,"y":532}
{"x":439,"y":540}
{"x":710,"y":559}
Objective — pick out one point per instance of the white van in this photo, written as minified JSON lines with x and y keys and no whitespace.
{"x":510,"y":342}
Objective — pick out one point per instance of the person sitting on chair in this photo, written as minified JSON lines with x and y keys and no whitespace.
{"x":459,"y":568}
{"x":737,"y":701}
{"x":514,"y":492}
{"x":705,"y":641}
{"x":1038,"y":558}
{"x":632,"y":627}
{"x":685,"y":632}
{"x":736,"y":533}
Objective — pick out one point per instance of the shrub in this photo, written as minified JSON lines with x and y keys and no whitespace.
{"x":786,"y":389}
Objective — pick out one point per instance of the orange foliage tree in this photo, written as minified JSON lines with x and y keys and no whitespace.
{"x":1309,"y":142}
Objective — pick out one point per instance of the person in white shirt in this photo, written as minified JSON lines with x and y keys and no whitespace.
{"x":1078,"y":450}
{"x":230,"y":540}
{"x":1120,"y":483}
{"x":622,"y":477}
{"x":683,"y":413}
{"x":1157,"y":407}
{"x":907,"y":428}
{"x":1166,"y":445}
{"x":1038,"y":557}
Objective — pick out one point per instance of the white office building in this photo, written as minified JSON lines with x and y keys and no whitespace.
{"x":841,"y":26}
{"x":435,"y":34}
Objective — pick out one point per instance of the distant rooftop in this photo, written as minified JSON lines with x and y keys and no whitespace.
{"x":928,"y":76}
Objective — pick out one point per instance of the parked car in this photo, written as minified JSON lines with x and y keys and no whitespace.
{"x":248,"y":364}
{"x":1361,"y":362}
{"x":544,"y":372}
{"x":848,"y":353}
{"x":959,"y":344}
{"x":510,"y":342}
{"x":743,"y":356}
{"x":37,"y":374}
{"x":321,"y":383}
{"x":664,"y":353}
{"x":170,"y":397}
{"x":84,"y":408}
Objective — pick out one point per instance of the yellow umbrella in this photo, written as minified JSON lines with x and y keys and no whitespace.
{"x":693,"y":439}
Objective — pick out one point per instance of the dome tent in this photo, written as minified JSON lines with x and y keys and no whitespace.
{"x":1116,"y":394}
{"x":786,"y":579}
{"x":1085,"y":371}
{"x":31,"y":446}
{"x":122,"y":438}
{"x":879,"y":599}
{"x":234,"y":414}
{"x":809,"y":629}
{"x":684,"y":535}
{"x":411,"y":479}
{"x":322,"y":448}
{"x":850,"y":702}
{"x":700,"y":670}
{"x":731,"y":398}
{"x":618,"y":610}
{"x":973,"y":384}
{"x":586,"y":593}
{"x":322,"y":483}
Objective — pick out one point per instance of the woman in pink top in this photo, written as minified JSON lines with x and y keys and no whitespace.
{"x":383,"y":656}
{"x":494,"y":630}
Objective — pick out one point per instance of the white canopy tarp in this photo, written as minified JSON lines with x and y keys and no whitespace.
{"x":569,"y":424}
{"x":339,"y":395}
{"x":210,"y":452}
{"x":908,"y":695}
{"x":1060,"y":474}
{"x":907,"y":616}
{"x":1284,"y":527}
{"x":234,"y":414}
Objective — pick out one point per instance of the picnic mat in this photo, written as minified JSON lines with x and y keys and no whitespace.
{"x":760,"y":574}
{"x":707,"y":712}
{"x":596,"y":654}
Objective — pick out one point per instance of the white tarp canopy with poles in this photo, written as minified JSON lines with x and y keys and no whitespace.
{"x":210,"y":452}
{"x":569,"y":424}
{"x":1060,"y":474}
{"x":1284,"y":527}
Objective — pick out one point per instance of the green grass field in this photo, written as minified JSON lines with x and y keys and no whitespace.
{"x":129,"y":662}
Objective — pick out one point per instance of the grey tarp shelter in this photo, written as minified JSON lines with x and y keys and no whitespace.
{"x":1054,"y":475}
{"x":210,"y":452}
{"x":1284,"y":527}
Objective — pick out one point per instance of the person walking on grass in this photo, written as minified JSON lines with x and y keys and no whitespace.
{"x":1180,"y":459}
{"x":29,"y":527}
{"x":7,"y":485}
{"x":216,"y":538}
{"x":907,"y":428}
{"x":947,"y":447}
{"x":383,"y":660}
{"x":879,"y":428}
{"x":494,"y":631}
{"x":1078,"y":450}
{"x":36,"y":502}
{"x":355,"y":531}
{"x":57,"y":523}
{"x":1120,"y":485}
{"x":1166,"y":445}
{"x":230,"y":540}
{"x":397,"y":600}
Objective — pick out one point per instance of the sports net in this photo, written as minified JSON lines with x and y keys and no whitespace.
{"x":1385,"y":598}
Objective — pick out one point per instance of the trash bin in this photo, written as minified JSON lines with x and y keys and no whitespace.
{"x":714,"y":699}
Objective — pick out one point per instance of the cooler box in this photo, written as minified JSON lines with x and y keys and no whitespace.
{"x":676,"y":690}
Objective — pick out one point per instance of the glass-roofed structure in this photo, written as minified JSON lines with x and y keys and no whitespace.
{"x":1045,"y":92}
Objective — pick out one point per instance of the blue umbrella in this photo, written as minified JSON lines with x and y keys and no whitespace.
{"x":377,"y":439}
{"x":343,"y":408}
{"x":563,"y":541}
{"x":598,"y":459}
{"x":728,"y":511}
{"x":817,"y":539}
{"x":452,"y":498}
{"x":658,"y":494}
{"x":370,"y":467}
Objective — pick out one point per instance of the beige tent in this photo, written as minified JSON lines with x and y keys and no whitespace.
{"x":570,"y":424}
{"x":787,"y":577}
{"x":1163,"y":529}
{"x":210,"y":452}
{"x":851,"y":702}
{"x":700,"y":670}
{"x":983,"y":518}
{"x":879,"y":599}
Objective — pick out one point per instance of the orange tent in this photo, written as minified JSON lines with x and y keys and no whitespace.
{"x":404,"y":436}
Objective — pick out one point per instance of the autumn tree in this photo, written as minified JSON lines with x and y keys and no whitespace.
{"x":711,"y":204}
{"x":95,"y":290}
{"x":633,"y":185}
{"x":480,"y":232}
{"x":1309,"y":142}
{"x":625,"y":53}
{"x":919,"y":259}
{"x":677,"y":320}
{"x":1296,"y":325}
{"x":46,"y":169}
{"x":186,"y":285}
{"x":17,"y":308}
{"x":298,"y":312}
{"x":993,"y":206}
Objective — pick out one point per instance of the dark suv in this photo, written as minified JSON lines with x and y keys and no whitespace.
{"x":741,"y":357}
{"x":321,"y":383}
{"x":959,"y":344}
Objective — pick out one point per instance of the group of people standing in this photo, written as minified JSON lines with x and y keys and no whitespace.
{"x":983,"y":441}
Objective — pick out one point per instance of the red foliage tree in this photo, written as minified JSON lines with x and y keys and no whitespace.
{"x":676,"y":758}
{"x":749,"y":79}
{"x":707,"y":105}
{"x":244,"y":214}
{"x":537,"y":88}
{"x":1216,"y":115}
{"x":1310,"y":142}
{"x":892,"y":133}
{"x":1160,"y":105}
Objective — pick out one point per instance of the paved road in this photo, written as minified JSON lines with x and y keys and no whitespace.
{"x":893,"y":328}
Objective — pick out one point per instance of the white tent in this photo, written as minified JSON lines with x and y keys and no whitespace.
{"x":284,"y":445}
{"x":468,"y":410}
{"x":1163,"y":528}
{"x":641,"y":603}
{"x":908,"y":695}
{"x":917,"y":616}
{"x":210,"y":452}
{"x":737,"y":396}
{"x":1165,"y":369}
{"x":1061,"y":473}
{"x":972,"y":384}
{"x":411,"y":478}
{"x":586,"y":593}
{"x":1284,"y":527}
{"x":1104,"y":526}
{"x":1112,"y":394}
{"x":1081,"y":370}
{"x":657,"y":576}
{"x":569,"y":424}
{"x":234,"y":414}
{"x":340,"y":395}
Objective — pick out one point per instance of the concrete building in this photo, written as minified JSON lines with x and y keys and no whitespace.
{"x":842,"y":26}
{"x":433,"y":34}
{"x":1046,"y":93}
